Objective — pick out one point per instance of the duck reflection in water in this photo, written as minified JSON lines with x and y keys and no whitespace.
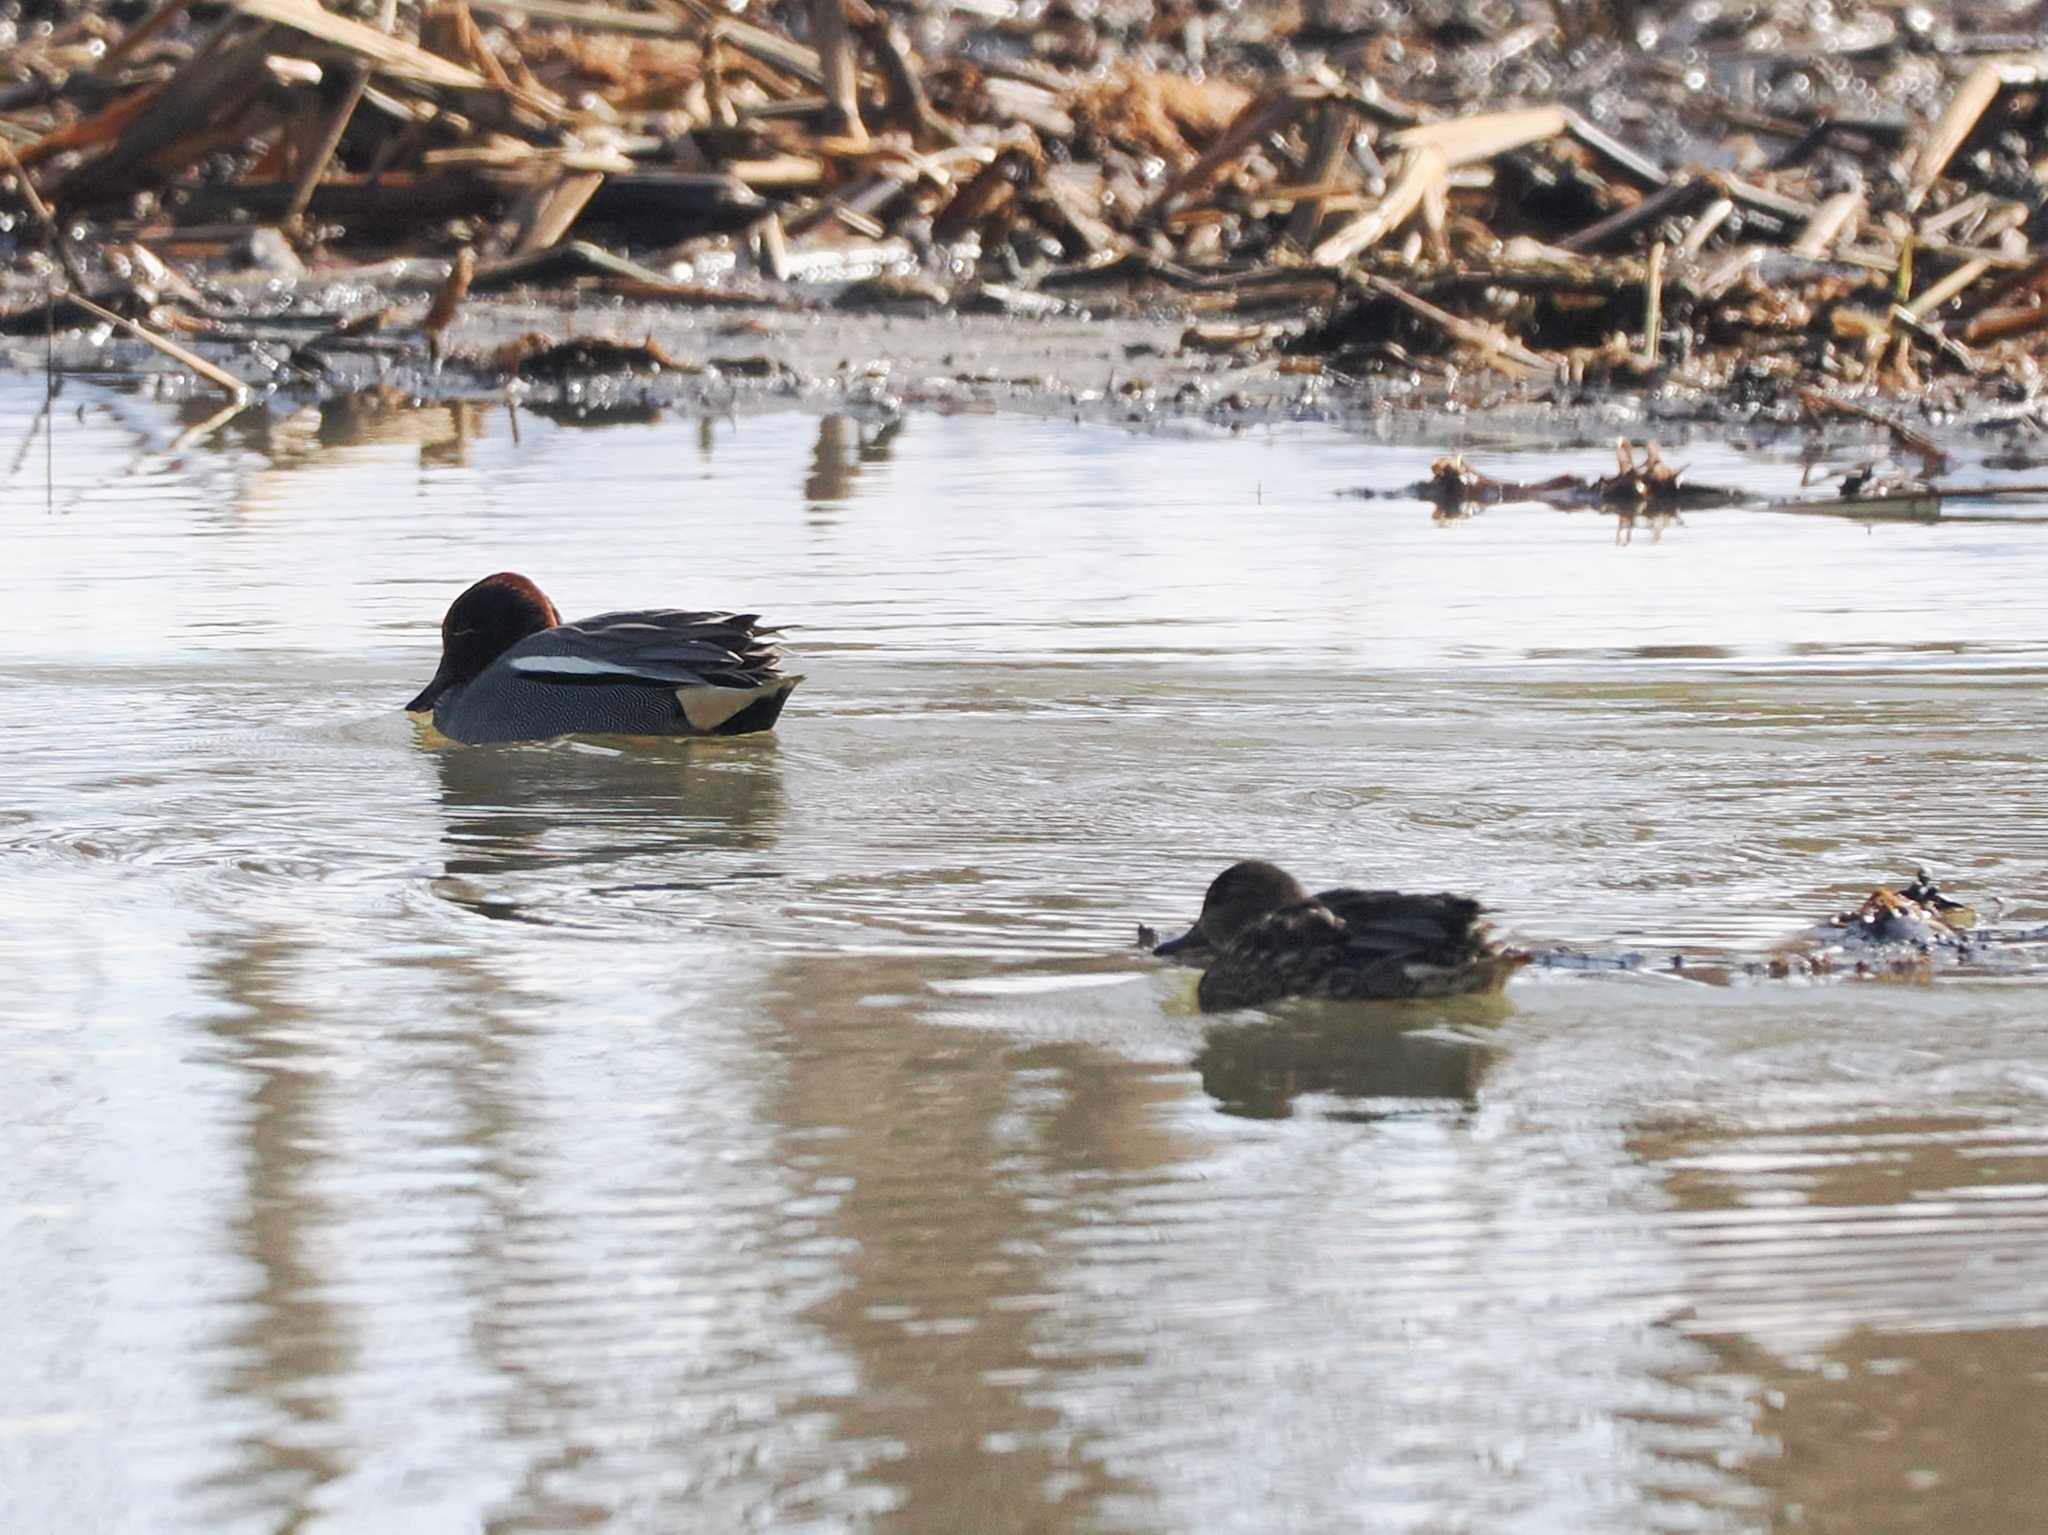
{"x":520,"y":821}
{"x":1407,"y":1054}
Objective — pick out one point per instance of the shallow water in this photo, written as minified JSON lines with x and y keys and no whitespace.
{"x":785,"y":1133}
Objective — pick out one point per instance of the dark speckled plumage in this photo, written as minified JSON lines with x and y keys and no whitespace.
{"x":1267,"y":938}
{"x":512,"y":671}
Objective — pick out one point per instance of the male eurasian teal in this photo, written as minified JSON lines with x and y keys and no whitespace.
{"x":511,"y":670}
{"x":1268,"y":938}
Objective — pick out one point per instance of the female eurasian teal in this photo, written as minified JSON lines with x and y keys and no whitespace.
{"x":1268,"y":938}
{"x":511,"y":670}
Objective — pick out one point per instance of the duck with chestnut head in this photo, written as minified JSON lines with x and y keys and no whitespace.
{"x":1263,"y":937}
{"x":511,"y":670}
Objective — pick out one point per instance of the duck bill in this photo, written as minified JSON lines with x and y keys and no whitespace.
{"x":1190,"y":942}
{"x":444,"y":679}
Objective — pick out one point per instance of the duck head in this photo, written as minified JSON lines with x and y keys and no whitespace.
{"x":1238,"y":897}
{"x":482,"y":624}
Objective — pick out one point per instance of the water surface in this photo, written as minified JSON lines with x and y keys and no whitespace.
{"x":785,"y":1133}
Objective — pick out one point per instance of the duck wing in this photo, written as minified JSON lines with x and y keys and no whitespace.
{"x":659,"y":647}
{"x":1439,"y":929}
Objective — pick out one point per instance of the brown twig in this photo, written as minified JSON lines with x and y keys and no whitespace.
{"x":1653,"y":304}
{"x":1819,"y":402}
{"x":834,"y":42}
{"x":219,"y":377}
{"x":1497,"y":349}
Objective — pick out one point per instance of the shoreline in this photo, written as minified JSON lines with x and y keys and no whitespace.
{"x":603,"y":358}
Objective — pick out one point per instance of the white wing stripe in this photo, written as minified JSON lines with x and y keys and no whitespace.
{"x":571,"y":666}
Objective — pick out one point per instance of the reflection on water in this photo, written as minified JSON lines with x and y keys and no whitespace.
{"x":1259,"y":1068}
{"x":292,"y":1344}
{"x":934,"y":1147}
{"x":1881,"y":1281}
{"x":1800,"y":1235}
{"x":783,"y":1133}
{"x":649,"y":820}
{"x":843,"y":450}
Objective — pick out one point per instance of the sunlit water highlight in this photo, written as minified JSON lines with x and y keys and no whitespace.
{"x":785,"y":1133}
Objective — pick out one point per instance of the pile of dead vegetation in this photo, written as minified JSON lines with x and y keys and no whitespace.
{"x":1757,"y":199}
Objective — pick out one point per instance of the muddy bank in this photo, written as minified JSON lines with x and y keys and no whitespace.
{"x":600,"y":362}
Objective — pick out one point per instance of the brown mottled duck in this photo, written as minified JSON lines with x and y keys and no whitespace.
{"x":1265,"y":938}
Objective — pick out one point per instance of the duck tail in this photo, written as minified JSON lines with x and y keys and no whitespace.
{"x":717,"y":711}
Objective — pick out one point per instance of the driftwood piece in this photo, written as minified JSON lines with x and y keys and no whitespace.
{"x":1705,"y":224}
{"x":994,"y":184}
{"x":1423,"y":170}
{"x":1619,"y":158}
{"x":102,"y":127}
{"x":1934,"y":339}
{"x":1070,"y":213}
{"x":1832,"y":222}
{"x":406,"y":63}
{"x":1021,"y":101}
{"x":1821,"y":403}
{"x":1679,"y":199}
{"x":1469,"y":140}
{"x":1653,"y":304}
{"x":151,"y":26}
{"x":1972,"y":98}
{"x":909,"y":104}
{"x":386,"y":55}
{"x":222,"y":72}
{"x":778,"y":172}
{"x":1496,"y":348}
{"x":1268,"y":114}
{"x":556,"y":209}
{"x":2006,"y":324}
{"x":559,"y":263}
{"x":1328,"y":142}
{"x":1951,"y":286}
{"x":758,"y":42}
{"x":834,"y":42}
{"x":450,"y":30}
{"x":346,"y":96}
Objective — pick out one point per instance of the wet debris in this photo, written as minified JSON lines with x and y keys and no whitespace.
{"x":1915,"y":913}
{"x":539,"y":356}
{"x":1772,"y":206}
{"x":1639,"y":485}
{"x":1907,"y":932}
{"x":1644,"y":486}
{"x":1912,"y":931}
